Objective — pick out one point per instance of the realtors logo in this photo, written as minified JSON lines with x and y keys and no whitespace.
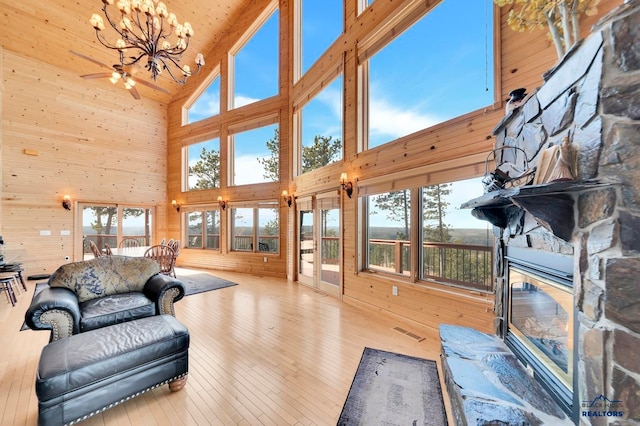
{"x":601,"y":406}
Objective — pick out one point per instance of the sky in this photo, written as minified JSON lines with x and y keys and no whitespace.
{"x":438,"y":69}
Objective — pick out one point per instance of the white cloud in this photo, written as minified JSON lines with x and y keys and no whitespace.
{"x":241,"y":100}
{"x":394,"y":121}
{"x":248,"y":170}
{"x":207,"y":105}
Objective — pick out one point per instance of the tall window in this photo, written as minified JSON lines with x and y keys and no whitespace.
{"x":456,"y":247}
{"x":321,"y":23}
{"x":453,"y":247}
{"x":254,"y":64}
{"x":321,"y":124}
{"x":437,"y":69}
{"x":203,"y":229}
{"x":256,"y":229}
{"x":254,"y":155}
{"x":203,"y":165}
{"x":207,"y":104}
{"x":389,"y":232}
{"x":110,"y":224}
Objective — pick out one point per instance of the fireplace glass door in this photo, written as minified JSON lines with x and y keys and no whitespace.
{"x":541,"y":318}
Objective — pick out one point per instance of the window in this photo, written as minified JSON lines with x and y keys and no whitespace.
{"x":321,"y":124}
{"x":430,"y":73}
{"x":207,"y":104}
{"x":321,"y":22}
{"x":203,"y":165}
{"x":110,"y":224}
{"x":454,"y":248}
{"x":254,"y":64}
{"x":203,"y":229}
{"x":256,"y":229}
{"x":254,"y":155}
{"x":389,"y":232}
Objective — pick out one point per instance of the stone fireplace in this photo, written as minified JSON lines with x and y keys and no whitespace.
{"x":568,"y":251}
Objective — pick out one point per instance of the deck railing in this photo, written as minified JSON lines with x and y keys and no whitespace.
{"x":112,"y":240}
{"x":464,"y":265}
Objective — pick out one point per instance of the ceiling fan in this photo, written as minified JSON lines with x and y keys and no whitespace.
{"x":119,"y":72}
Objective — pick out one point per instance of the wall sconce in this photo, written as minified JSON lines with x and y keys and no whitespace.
{"x":66,"y":202}
{"x":346,"y":185}
{"x":175,"y":205}
{"x":286,"y":197}
{"x":223,"y":204}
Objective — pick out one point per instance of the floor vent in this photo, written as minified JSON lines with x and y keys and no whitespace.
{"x":408,"y":333}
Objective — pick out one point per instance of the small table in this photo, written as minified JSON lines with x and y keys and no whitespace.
{"x":130,"y":251}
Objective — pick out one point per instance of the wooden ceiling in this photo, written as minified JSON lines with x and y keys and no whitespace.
{"x":48,"y":30}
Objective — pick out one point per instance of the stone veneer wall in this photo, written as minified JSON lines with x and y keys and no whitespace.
{"x":593,"y":98}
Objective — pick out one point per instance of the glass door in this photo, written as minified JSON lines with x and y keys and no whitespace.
{"x":110,"y":224}
{"x":319,"y":244}
{"x":306,"y":242}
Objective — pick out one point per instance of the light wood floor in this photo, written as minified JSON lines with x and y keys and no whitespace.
{"x":264,"y":352}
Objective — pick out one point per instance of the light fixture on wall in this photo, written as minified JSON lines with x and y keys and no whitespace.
{"x":146,"y":29}
{"x":223,"y":204}
{"x":286,"y":197}
{"x":346,"y":185}
{"x":175,"y":205}
{"x":66,"y":202}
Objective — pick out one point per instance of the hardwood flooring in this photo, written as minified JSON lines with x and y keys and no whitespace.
{"x":264,"y":352}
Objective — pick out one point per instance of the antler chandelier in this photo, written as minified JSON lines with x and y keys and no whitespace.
{"x":145,"y":29}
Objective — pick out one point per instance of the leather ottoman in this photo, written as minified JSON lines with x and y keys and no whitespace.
{"x":86,"y":373}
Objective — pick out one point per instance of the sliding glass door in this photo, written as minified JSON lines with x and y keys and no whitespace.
{"x":319,"y":244}
{"x":110,"y":224}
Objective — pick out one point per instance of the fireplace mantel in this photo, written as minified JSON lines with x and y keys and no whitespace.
{"x":551,"y":204}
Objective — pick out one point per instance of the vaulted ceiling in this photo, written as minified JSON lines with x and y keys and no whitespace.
{"x":47,"y":30}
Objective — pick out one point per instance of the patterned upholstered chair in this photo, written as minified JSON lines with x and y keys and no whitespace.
{"x":107,"y":290}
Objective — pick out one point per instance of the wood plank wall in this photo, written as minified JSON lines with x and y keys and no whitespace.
{"x":94,"y":142}
{"x":458,"y":144}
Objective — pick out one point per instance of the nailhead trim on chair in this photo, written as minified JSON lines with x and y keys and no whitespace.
{"x":55,"y":330}
{"x":166,"y":304}
{"x":106,"y":407}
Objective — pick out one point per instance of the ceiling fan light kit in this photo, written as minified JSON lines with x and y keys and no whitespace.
{"x":145,"y":29}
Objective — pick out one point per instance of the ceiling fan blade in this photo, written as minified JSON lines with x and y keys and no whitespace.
{"x":97,"y":75}
{"x":134,"y":92}
{"x":90,"y":59}
{"x":151,"y":85}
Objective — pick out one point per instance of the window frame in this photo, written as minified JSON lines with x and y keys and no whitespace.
{"x":446,"y":172}
{"x":389,"y":30}
{"x":257,"y":24}
{"x":184,"y":180}
{"x":202,"y":88}
{"x":202,"y":209}
{"x":255,"y":235}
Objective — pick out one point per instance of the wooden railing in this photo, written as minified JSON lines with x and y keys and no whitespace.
{"x":465,"y":265}
{"x":112,"y":240}
{"x":266,"y":243}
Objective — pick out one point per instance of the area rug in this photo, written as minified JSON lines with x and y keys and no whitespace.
{"x":201,"y":282}
{"x":394,"y":389}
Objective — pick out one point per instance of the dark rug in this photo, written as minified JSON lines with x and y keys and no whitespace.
{"x":394,"y":389}
{"x":201,"y":282}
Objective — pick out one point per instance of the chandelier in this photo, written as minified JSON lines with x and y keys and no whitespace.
{"x":146,"y":29}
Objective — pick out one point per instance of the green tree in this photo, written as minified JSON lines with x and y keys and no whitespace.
{"x":434,"y":210}
{"x":206,"y":170}
{"x":397,"y":205}
{"x":324,"y":150}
